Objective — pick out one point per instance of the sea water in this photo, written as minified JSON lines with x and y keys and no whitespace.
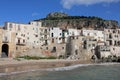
{"x":77,"y":72}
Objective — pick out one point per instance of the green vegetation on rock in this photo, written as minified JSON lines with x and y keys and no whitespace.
{"x":35,"y":57}
{"x":58,"y":19}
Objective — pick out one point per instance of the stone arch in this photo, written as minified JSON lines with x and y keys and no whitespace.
{"x":5,"y":50}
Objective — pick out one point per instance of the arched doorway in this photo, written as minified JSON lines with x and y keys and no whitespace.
{"x":5,"y":50}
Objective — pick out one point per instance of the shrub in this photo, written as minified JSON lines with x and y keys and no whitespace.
{"x":36,"y":57}
{"x":51,"y":57}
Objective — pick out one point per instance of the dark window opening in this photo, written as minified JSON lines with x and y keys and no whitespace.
{"x":110,"y":42}
{"x":52,"y":35}
{"x":52,"y":40}
{"x":54,"y":49}
{"x":110,"y":36}
{"x":46,"y":48}
{"x":18,"y":41}
{"x":23,"y":41}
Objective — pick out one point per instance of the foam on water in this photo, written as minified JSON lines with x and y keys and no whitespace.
{"x":77,"y":66}
{"x":68,"y":67}
{"x":58,"y":69}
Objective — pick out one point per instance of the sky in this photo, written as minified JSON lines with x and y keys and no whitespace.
{"x":23,"y":11}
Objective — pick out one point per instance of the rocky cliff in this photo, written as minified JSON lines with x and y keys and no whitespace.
{"x":63,"y":20}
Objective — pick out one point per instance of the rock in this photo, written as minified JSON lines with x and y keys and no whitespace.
{"x":56,"y":14}
{"x":62,"y":20}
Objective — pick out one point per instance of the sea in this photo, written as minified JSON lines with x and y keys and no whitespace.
{"x":104,"y":71}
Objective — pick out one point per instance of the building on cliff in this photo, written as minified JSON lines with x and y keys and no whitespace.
{"x":36,"y":40}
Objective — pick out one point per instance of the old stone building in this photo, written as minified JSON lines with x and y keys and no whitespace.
{"x":7,"y":43}
{"x":33,"y":39}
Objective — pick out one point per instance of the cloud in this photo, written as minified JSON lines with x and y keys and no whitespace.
{"x":35,"y":14}
{"x":108,"y":12}
{"x":70,"y":3}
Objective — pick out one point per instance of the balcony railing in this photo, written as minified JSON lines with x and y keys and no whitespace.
{"x":44,"y":33}
{"x":21,"y":43}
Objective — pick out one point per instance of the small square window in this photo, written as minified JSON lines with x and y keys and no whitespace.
{"x":46,"y":48}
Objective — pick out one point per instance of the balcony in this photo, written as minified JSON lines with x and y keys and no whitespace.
{"x":45,"y":33}
{"x":22,"y":44}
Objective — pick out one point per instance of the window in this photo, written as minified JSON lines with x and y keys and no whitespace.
{"x":73,"y":37}
{"x":93,"y":45}
{"x":110,"y":42}
{"x":115,"y":43}
{"x":113,"y":48}
{"x":110,"y":36}
{"x":67,"y":33}
{"x":10,"y":25}
{"x":18,"y":41}
{"x":52,"y":35}
{"x":89,"y":45}
{"x":54,"y":49}
{"x":46,"y":48}
{"x":23,"y":41}
{"x":113,"y":31}
{"x":52,"y":28}
{"x":45,"y":30}
{"x":24,"y":35}
{"x":36,"y":35}
{"x":52,"y":40}
{"x":16,"y":48}
{"x":59,"y":38}
{"x":88,"y":34}
{"x":76,"y":37}
{"x":46,"y":42}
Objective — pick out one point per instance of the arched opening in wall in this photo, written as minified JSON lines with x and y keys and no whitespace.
{"x":5,"y":50}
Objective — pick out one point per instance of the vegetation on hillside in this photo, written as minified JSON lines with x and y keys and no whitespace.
{"x":34,"y":57}
{"x":57,"y":19}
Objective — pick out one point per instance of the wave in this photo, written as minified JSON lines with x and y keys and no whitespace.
{"x":77,"y":66}
{"x":67,"y":67}
{"x":59,"y":68}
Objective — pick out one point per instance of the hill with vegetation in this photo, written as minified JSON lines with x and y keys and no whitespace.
{"x":58,"y":19}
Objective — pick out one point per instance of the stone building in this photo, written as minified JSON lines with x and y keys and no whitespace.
{"x":7,"y":43}
{"x":98,"y":35}
{"x":112,"y":37}
{"x":35,"y":40}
